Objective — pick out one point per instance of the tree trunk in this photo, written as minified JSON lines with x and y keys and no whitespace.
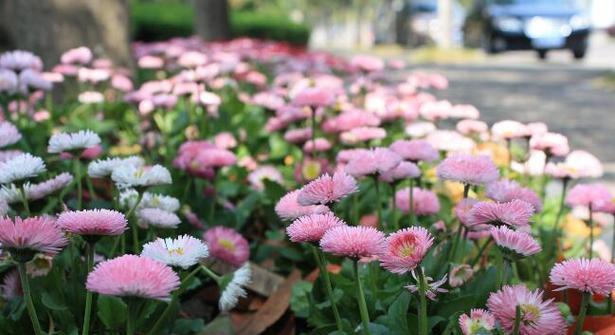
{"x":211,"y":19}
{"x":50,"y":27}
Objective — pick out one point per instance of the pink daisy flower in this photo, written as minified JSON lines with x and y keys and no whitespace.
{"x":405,"y":249}
{"x":594,"y":276}
{"x":345,"y":156}
{"x":460,"y":274}
{"x":36,"y":234}
{"x":519,"y":243}
{"x":310,"y":228}
{"x":362,"y":134}
{"x":515,"y":213}
{"x":288,"y":208}
{"x":8,"y":134}
{"x":133,"y":276}
{"x":462,"y":211}
{"x":508,"y":190}
{"x":468,"y":169}
{"x":509,"y":129}
{"x":227,"y":245}
{"x":366,"y":63}
{"x":480,"y":321}
{"x":314,"y":97}
{"x":403,"y":171}
{"x":469,"y":127}
{"x":425,"y":201}
{"x":553,"y":144}
{"x":297,"y":136}
{"x":415,"y":150}
{"x":355,"y":242}
{"x":98,"y":222}
{"x":578,"y":164}
{"x":349,"y":120}
{"x":375,"y":161}
{"x":538,"y":317}
{"x":450,"y":141}
{"x":327,"y":189}
{"x":318,"y":145}
{"x":588,"y":195}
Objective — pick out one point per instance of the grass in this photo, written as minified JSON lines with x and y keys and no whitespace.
{"x":153,"y":21}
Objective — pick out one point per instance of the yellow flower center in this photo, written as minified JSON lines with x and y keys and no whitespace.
{"x":405,"y":249}
{"x":530,"y":313}
{"x":226,"y":244}
{"x":176,"y":251}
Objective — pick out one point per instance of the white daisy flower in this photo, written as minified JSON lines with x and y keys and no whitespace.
{"x":126,"y":176}
{"x":184,"y":251}
{"x":72,"y":141}
{"x":234,"y":289}
{"x":104,"y":167}
{"x":12,"y":194}
{"x":4,"y":207}
{"x":158,"y":218}
{"x":21,"y":167}
{"x":8,"y":134}
{"x":150,"y":200}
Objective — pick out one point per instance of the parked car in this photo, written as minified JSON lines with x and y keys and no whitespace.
{"x":540,"y":25}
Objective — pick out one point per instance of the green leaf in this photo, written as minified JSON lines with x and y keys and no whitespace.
{"x":188,"y":326}
{"x":299,"y":302}
{"x":396,"y":318}
{"x":52,"y":302}
{"x":112,"y":311}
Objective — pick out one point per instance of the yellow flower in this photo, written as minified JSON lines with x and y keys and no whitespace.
{"x":125,"y":150}
{"x":575,"y":227}
{"x":497,"y":152}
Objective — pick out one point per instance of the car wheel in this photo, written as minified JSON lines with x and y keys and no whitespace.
{"x":542,"y":54}
{"x":579,"y":53}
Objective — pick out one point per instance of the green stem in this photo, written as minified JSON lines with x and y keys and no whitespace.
{"x":394,"y":224}
{"x":411,"y":205}
{"x":517,"y":320}
{"x":25,"y":286}
{"x":90,"y":186}
{"x":591,"y":232}
{"x":480,"y":252}
{"x":355,"y":208}
{"x":422,"y":302}
{"x":466,"y":190}
{"x":581,"y":318}
{"x":77,"y":170}
{"x":210,"y":273}
{"x":134,"y":228}
{"x":378,"y":203}
{"x":174,"y":297}
{"x":560,"y":211}
{"x":322,"y":265}
{"x":131,"y":317}
{"x":361,"y":300}
{"x":313,"y":117}
{"x":24,"y":199}
{"x":89,"y":255}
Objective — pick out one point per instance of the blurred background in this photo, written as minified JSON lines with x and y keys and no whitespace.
{"x":529,"y":60}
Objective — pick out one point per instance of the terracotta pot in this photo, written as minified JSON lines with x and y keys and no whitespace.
{"x":597,"y":324}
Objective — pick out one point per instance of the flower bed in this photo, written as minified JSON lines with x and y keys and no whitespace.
{"x":249,"y":187}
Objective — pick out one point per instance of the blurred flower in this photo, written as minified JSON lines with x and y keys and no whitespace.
{"x":8,"y":134}
{"x":515,"y":213}
{"x":127,"y":176}
{"x":62,"y":142}
{"x":233,"y":290}
{"x":225,"y":140}
{"x":158,"y":218}
{"x":402,"y":171}
{"x":39,"y":266}
{"x":588,"y":195}
{"x":451,"y":141}
{"x":469,"y":127}
{"x":288,"y":208}
{"x":578,"y":164}
{"x":594,"y":276}
{"x":460,"y":274}
{"x":468,"y":169}
{"x":553,"y":144}
{"x":517,"y":243}
{"x":19,"y":60}
{"x":362,"y":134}
{"x":425,"y":202}
{"x":91,"y":97}
{"x":318,"y":145}
{"x":104,"y":167}
{"x":227,"y":245}
{"x":507,"y":190}
{"x":133,"y":276}
{"x":11,"y":285}
{"x":420,"y":129}
{"x":80,"y":55}
{"x":18,"y":168}
{"x":415,"y":150}
{"x":31,"y":235}
{"x":479,"y":322}
{"x":313,"y":97}
{"x":366,"y":63}
{"x":257,"y":177}
{"x":374,"y":161}
{"x":509,"y":129}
